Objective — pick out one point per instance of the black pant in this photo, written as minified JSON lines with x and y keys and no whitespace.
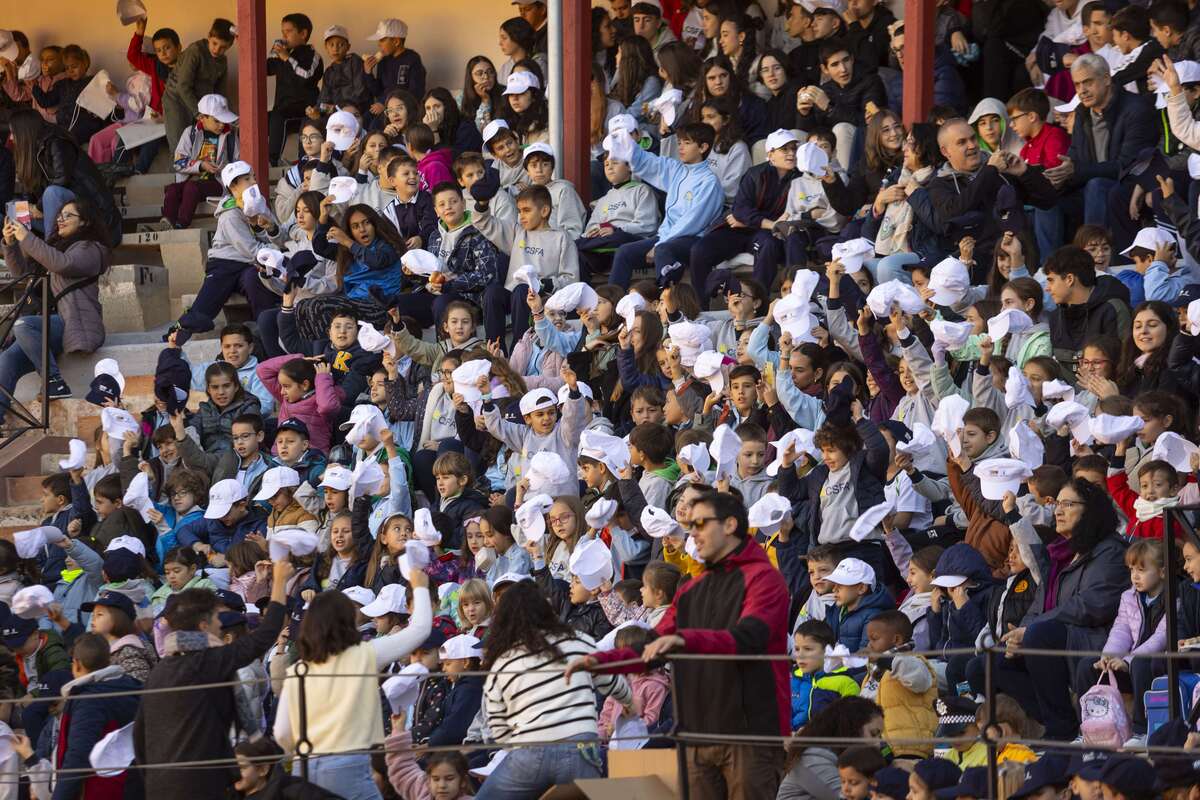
{"x":223,"y":277}
{"x":725,"y":243}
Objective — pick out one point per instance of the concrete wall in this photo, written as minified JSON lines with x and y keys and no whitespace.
{"x":446,"y":34}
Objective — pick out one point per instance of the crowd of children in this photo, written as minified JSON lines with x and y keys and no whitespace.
{"x":908,"y":408}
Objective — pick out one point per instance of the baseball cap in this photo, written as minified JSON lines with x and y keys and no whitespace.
{"x":974,"y":783}
{"x":274,"y":479}
{"x":1049,"y":770}
{"x":230,"y":599}
{"x":462,"y":646}
{"x":521,"y":82}
{"x":294,"y":424}
{"x":537,"y":399}
{"x":780,"y":138}
{"x":234,"y":170}
{"x":1186,"y":295}
{"x":103,"y":387}
{"x":336,"y":30}
{"x":493,"y":128}
{"x":390,"y":600}
{"x":511,"y":577}
{"x":215,"y":105}
{"x":851,"y":572}
{"x":223,"y":496}
{"x":389,"y":29}
{"x":537,"y":147}
{"x":1129,"y":775}
{"x":337,"y":477}
{"x":14,"y":630}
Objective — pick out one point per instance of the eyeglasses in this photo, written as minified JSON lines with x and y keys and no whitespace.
{"x":561,"y":518}
{"x":1069,"y":504}
{"x":696,"y":523}
{"x":312,"y":137}
{"x":181,"y":492}
{"x":65,"y":215}
{"x":1093,"y":363}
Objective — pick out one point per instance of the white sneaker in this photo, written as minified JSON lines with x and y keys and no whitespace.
{"x":1135,"y":742}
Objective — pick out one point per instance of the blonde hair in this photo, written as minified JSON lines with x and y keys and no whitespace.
{"x":1145,"y":552}
{"x":475,"y":590}
{"x":1005,"y":711}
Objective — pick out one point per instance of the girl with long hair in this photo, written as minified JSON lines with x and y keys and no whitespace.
{"x":449,"y":126}
{"x":730,"y":157}
{"x":517,"y":39}
{"x":1144,"y":354}
{"x":604,"y":42}
{"x":718,"y":78}
{"x":637,"y":356}
{"x":636,"y":81}
{"x":525,"y":111}
{"x":873,"y":178}
{"x":737,"y":41}
{"x":481,"y":92}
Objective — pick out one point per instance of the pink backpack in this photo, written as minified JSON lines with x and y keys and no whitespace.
{"x":1105,"y":723}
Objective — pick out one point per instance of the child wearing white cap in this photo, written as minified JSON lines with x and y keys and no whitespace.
{"x":626,"y":213}
{"x":202,"y":152}
{"x":394,"y":65}
{"x":858,"y":598}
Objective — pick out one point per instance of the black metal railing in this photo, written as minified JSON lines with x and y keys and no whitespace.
{"x":31,"y":297}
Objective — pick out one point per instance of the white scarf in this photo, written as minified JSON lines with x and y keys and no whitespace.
{"x":1150,"y":509}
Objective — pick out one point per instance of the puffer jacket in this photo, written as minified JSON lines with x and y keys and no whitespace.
{"x":83,"y":330}
{"x":850,"y":627}
{"x":215,"y":425}
{"x":1133,"y":632}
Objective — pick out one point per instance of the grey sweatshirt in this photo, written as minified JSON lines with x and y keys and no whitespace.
{"x":552,"y":252}
{"x":630,"y":207}
{"x":569,"y":212}
{"x":235,"y":240}
{"x":524,"y":443}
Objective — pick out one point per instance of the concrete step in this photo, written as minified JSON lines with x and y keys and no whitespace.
{"x":24,"y":456}
{"x":135,"y":297}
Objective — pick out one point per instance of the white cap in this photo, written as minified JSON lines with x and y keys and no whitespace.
{"x":274,"y":479}
{"x":803,"y":441}
{"x":537,"y":147}
{"x":343,"y":188}
{"x":8,"y":46}
{"x":622,"y":122}
{"x":585,"y":391}
{"x":113,"y":754}
{"x":416,"y":556}
{"x":511,"y":577}
{"x":952,"y":334}
{"x":893,"y":292}
{"x":1110,"y":429}
{"x":284,"y":542}
{"x":373,"y":340}
{"x":222,"y":497}
{"x":424,"y":529}
{"x":341,"y":129}
{"x":361,"y":595}
{"x":390,"y":600}
{"x":1010,"y":320}
{"x":402,"y":690}
{"x":1026,"y":445}
{"x":853,"y":253}
{"x":365,"y":420}
{"x":234,"y":170}
{"x":536,"y":399}
{"x":654,"y":3}
{"x":1188,"y":72}
{"x":1175,"y":450}
{"x":949,"y":581}
{"x":601,"y":513}
{"x":1000,"y":475}
{"x":215,"y":105}
{"x":724,"y":450}
{"x":811,"y":159}
{"x":922,"y":441}
{"x":420,"y":262}
{"x":708,"y":368}
{"x":667,"y":106}
{"x":949,"y":281}
{"x":592,"y":563}
{"x":521,"y":82}
{"x":336,"y":30}
{"x":130,"y":543}
{"x":767,"y":514}
{"x":573,"y":297}
{"x":492,"y":128}
{"x":1193,"y":163}
{"x":851,"y":572}
{"x":780,"y":138}
{"x":793,"y":316}
{"x":527,"y":274}
{"x":32,"y":602}
{"x":1149,"y":239}
{"x":467,"y":374}
{"x":1016,"y":389}
{"x":368,"y":479}
{"x":611,"y":451}
{"x":1193,"y":317}
{"x":691,"y":339}
{"x":948,"y":418}
{"x":32,"y":542}
{"x":1073,"y":414}
{"x":1069,"y":106}
{"x":803,"y":284}
{"x":870,"y":519}
{"x":389,"y":29}
{"x":548,"y":472}
{"x":628,"y":306}
{"x":337,"y":477}
{"x":530,"y":516}
{"x":609,"y":642}
{"x":271,"y":258}
{"x":1057,"y":390}
{"x":116,"y":421}
{"x":462,"y":646}
{"x":77,"y":457}
{"x":695,"y":454}
{"x":658,"y":523}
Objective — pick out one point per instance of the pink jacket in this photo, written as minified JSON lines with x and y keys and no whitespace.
{"x":249,"y":588}
{"x":435,"y":168}
{"x":552,"y":364}
{"x":649,"y":690}
{"x":316,"y":409}
{"x":404,"y":774}
{"x":1128,"y":627}
{"x":20,"y":92}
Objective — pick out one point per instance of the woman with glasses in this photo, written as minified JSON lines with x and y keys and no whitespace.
{"x":75,"y":255}
{"x":1073,"y":608}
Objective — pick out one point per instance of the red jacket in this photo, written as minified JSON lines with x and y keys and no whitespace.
{"x":150,"y":65}
{"x":737,"y":606}
{"x":1118,"y":487}
{"x":1047,"y":148}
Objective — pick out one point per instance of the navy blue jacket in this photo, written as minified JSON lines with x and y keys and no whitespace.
{"x":416,"y":218}
{"x":85,"y":722}
{"x":462,"y":705}
{"x":351,"y":373}
{"x":761,"y":194}
{"x":219,"y":537}
{"x":404,"y":71}
{"x":1132,"y":127}
{"x":851,"y":628}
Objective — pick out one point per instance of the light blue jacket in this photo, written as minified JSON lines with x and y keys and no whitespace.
{"x":806,"y":410}
{"x":694,"y":194}
{"x":248,"y":375}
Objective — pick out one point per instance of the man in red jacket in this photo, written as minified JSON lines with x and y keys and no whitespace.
{"x":737,"y":606}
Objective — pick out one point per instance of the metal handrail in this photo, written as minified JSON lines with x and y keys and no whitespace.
{"x":37,"y":291}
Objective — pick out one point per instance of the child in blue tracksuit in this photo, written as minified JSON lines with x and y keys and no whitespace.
{"x":694,"y":201}
{"x":812,"y":687}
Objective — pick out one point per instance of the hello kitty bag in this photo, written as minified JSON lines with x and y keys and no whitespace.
{"x":1105,"y":723}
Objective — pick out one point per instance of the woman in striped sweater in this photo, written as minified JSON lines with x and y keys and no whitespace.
{"x":526,"y":699}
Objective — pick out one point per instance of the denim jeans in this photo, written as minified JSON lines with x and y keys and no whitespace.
{"x":530,"y":771}
{"x":891,"y":267}
{"x":53,"y":199}
{"x":25,"y":353}
{"x":347,"y":776}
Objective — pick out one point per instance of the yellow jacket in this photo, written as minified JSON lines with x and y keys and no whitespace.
{"x":908,"y":714}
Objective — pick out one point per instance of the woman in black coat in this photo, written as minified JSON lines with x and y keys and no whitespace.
{"x":54,"y":169}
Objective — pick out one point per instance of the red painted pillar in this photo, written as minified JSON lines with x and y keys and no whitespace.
{"x":918,"y":59}
{"x":577,"y":94}
{"x":252,"y":88}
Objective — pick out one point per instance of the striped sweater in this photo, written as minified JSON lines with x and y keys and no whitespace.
{"x":523,"y":703}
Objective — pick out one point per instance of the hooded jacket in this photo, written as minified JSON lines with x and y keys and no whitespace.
{"x":434,"y":168}
{"x":83,"y":723}
{"x":850,"y":627}
{"x":1009,"y":141}
{"x":959,"y":627}
{"x":83,"y":320}
{"x":235,"y":240}
{"x":316,"y":409}
{"x":737,"y":605}
{"x":190,"y":145}
{"x":1104,"y":312}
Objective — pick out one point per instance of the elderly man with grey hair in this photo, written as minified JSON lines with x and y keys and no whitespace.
{"x":1112,"y":129}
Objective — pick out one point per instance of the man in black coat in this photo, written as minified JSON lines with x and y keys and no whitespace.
{"x":193,"y":724}
{"x":1112,"y":127}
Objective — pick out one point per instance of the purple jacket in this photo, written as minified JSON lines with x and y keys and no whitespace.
{"x":890,"y":393}
{"x":1127,"y":627}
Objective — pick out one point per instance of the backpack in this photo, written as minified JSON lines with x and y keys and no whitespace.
{"x":1105,"y":723}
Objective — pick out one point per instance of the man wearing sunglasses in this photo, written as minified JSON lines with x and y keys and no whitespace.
{"x":737,"y":606}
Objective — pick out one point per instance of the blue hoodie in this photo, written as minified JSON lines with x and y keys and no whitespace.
{"x":959,"y":627}
{"x":694,"y":194}
{"x":850,"y":628}
{"x":219,"y":536}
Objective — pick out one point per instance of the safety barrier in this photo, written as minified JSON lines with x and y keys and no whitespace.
{"x":25,"y":295}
